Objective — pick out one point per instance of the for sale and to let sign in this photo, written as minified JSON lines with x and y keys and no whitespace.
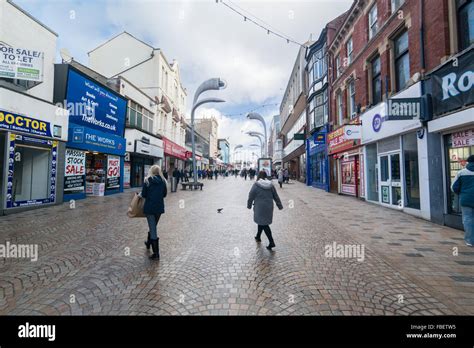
{"x":21,"y":63}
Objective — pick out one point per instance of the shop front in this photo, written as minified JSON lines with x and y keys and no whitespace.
{"x":32,"y":143}
{"x":345,"y":156}
{"x":318,"y":162}
{"x":143,"y":151}
{"x":94,"y":162}
{"x":189,"y":160}
{"x":396,"y":158}
{"x":295,"y":159}
{"x":175,"y":155}
{"x":451,"y":87}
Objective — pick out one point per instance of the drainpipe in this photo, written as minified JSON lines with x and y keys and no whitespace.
{"x":422,"y":44}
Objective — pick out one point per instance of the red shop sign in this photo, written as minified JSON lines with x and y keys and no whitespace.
{"x":173,"y":149}
{"x":337,"y":142}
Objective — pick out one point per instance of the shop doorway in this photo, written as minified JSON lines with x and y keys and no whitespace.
{"x":390,"y":180}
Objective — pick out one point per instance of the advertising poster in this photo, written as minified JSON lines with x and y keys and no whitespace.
{"x":21,"y":63}
{"x":266,"y":165}
{"x":113,"y":172}
{"x":75,"y":171}
{"x":126,"y":175}
{"x":103,"y":110}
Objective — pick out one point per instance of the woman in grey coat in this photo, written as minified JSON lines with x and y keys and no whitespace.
{"x":262,"y":195}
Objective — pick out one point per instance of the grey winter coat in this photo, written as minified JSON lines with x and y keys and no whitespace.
{"x":280,"y":175}
{"x":262,"y":194}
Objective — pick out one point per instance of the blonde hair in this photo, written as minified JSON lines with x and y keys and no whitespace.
{"x":154,"y":170}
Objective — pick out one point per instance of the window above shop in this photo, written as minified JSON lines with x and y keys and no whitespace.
{"x":139,"y":117}
{"x":465,"y":20}
{"x":373,"y":26}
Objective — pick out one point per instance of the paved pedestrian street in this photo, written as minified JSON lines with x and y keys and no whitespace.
{"x":92,"y":260}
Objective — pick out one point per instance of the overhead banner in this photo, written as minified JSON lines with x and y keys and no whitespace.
{"x":21,"y":63}
{"x":75,"y":171}
{"x":113,"y":172}
{"x":452,"y":84}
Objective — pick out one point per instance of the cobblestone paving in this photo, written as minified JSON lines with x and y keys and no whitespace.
{"x":211,"y":264}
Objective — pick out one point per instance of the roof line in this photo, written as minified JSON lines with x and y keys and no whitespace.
{"x":31,"y":16}
{"x":115,"y":36}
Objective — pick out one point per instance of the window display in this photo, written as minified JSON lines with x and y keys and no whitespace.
{"x":95,"y":174}
{"x":456,"y":157}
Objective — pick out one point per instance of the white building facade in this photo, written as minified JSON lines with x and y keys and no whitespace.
{"x":33,"y":130}
{"x":148,"y":69}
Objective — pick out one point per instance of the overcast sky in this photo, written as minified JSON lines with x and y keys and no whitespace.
{"x":207,"y":39}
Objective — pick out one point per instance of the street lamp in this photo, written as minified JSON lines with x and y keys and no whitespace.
{"x":211,"y":84}
{"x":256,"y":145}
{"x":239,"y":146}
{"x":258,"y":117}
{"x":260,"y":137}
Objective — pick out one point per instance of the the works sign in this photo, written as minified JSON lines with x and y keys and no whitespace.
{"x":452,"y":84}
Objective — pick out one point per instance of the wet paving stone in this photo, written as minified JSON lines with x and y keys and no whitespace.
{"x":211,"y":264}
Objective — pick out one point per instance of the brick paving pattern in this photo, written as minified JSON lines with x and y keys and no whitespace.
{"x":210,"y":263}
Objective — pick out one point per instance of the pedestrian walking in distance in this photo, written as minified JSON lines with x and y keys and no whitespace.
{"x":280,"y":178}
{"x":154,"y":191}
{"x":262,"y":195}
{"x":463,"y":185}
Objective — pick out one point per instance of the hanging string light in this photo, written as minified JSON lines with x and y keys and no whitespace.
{"x":269,"y":31}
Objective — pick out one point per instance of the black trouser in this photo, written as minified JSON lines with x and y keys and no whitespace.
{"x":267,"y":230}
{"x":281,"y":184}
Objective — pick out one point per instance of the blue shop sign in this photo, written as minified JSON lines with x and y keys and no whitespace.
{"x":320,"y":138}
{"x":20,"y":123}
{"x":94,"y":106}
{"x":92,"y":140}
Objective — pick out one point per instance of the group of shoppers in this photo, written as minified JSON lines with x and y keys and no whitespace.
{"x":263,"y":193}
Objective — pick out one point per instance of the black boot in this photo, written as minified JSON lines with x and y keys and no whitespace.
{"x":268,"y":233}
{"x":156,"y":249}
{"x":148,"y":242}
{"x":259,"y":233}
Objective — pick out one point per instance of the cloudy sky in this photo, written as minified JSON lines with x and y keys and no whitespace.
{"x":207,"y":39}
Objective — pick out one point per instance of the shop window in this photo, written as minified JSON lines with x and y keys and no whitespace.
{"x":348,"y":172}
{"x":465,"y":11}
{"x":412,"y":177}
{"x":376,"y":81}
{"x":373,"y":26}
{"x":372,"y":173}
{"x":402,"y":61}
{"x":395,"y":167}
{"x":31,"y":174}
{"x":456,"y":160}
{"x":384,"y":175}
